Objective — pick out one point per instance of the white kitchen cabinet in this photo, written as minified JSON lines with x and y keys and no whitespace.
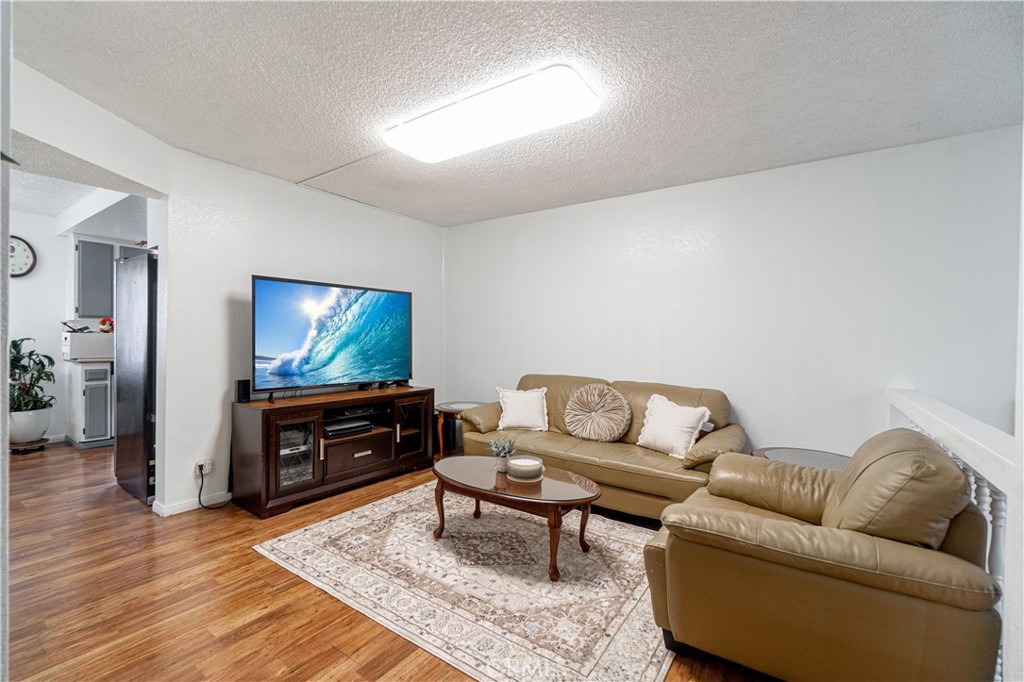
{"x":90,"y":402}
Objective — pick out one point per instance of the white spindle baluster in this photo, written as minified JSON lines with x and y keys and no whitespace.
{"x":995,"y":548}
{"x":992,"y":503}
{"x":995,"y":556}
{"x":978,"y":496}
{"x":984,"y":502}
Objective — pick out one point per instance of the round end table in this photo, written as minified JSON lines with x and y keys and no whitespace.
{"x":805,"y":457}
{"x":449,"y":412}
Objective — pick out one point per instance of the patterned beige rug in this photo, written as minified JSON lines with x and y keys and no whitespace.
{"x":479,"y":598}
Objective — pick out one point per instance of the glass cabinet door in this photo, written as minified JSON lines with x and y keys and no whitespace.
{"x":411,"y":433}
{"x":297,"y":464}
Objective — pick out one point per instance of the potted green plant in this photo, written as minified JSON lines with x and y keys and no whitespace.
{"x":29,"y":405}
{"x":503,"y":448}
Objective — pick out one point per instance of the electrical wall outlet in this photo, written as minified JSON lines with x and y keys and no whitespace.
{"x":204,"y":467}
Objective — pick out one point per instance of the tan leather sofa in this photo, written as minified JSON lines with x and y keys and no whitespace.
{"x":872,"y":573}
{"x":633,"y":479}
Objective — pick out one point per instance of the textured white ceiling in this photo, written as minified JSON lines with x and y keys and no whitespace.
{"x":49,"y":181}
{"x":46,"y":160}
{"x":692,"y":91}
{"x":31,"y":193}
{"x":125,"y":220}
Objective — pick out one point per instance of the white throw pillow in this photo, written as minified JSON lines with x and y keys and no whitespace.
{"x":523,"y":409}
{"x":671,"y":428}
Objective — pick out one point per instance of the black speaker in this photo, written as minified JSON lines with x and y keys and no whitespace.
{"x":242,"y":390}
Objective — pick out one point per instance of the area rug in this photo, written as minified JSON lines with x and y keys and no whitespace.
{"x":479,"y":598}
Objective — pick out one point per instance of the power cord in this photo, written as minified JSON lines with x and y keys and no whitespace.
{"x":202,"y":479}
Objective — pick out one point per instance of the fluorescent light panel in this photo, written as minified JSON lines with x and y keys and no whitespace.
{"x":550,"y":97}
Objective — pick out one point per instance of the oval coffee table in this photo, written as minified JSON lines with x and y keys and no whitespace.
{"x":552,"y":497}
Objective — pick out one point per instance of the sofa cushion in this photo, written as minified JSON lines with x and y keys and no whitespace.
{"x":632,"y":471}
{"x":710,"y":503}
{"x":790,"y":489}
{"x":523,"y":409}
{"x":899,"y":485}
{"x":671,"y":428}
{"x":637,"y":393}
{"x":617,"y":464}
{"x":633,"y":477}
{"x":560,"y":387}
{"x":597,"y":412}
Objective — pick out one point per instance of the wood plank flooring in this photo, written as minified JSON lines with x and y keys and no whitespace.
{"x":103,"y":589}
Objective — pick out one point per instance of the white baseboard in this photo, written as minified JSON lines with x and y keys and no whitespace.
{"x":189,"y":505}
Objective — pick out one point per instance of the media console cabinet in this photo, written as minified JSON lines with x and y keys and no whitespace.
{"x":280,"y":454}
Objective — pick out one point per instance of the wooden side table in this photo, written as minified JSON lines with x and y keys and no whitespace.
{"x":449,"y":412}
{"x":803,"y":456}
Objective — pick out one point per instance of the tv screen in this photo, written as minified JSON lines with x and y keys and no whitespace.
{"x":309,"y":334}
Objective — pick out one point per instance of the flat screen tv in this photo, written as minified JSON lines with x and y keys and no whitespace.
{"x":313,"y":334}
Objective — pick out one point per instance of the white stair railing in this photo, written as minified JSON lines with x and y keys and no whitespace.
{"x":979,"y":450}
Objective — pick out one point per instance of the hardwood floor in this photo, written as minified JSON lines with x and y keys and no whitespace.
{"x":103,"y":589}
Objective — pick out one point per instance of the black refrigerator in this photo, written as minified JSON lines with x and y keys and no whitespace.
{"x":135,"y":374}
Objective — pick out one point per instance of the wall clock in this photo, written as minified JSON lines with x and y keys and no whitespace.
{"x":23,"y":257}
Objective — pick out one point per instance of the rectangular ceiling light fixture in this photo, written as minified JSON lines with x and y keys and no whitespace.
{"x":547,"y":98}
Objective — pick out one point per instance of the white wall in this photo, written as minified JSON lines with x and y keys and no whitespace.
{"x":1013,"y":623}
{"x":219,"y":226}
{"x":47,"y":111}
{"x":802,"y":292}
{"x":37,"y":302}
{"x":226,"y":224}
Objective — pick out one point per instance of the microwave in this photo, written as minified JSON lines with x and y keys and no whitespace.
{"x":87,"y":346}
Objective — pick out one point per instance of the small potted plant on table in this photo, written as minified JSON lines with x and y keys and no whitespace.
{"x":503,"y":448}
{"x":29,"y":405}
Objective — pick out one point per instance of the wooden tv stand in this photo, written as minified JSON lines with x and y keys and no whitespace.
{"x":280,"y":455}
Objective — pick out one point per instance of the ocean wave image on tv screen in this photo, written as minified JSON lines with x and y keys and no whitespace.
{"x":350,"y":335}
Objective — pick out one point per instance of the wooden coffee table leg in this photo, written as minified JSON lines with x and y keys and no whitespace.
{"x":476,"y":509}
{"x":439,"y":499}
{"x":440,"y":435}
{"x":583,"y":527}
{"x":554,"y":533}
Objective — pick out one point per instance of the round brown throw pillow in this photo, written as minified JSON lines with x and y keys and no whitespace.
{"x":597,"y":412}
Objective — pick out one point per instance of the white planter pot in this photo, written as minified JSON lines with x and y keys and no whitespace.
{"x":29,"y":426}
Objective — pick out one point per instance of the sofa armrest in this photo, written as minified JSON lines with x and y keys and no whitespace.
{"x":788,"y":489}
{"x":731,"y":438}
{"x":482,"y":418}
{"x":842,"y":554}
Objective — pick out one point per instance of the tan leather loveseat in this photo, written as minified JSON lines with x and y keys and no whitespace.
{"x":632,"y":478}
{"x":872,"y":573}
